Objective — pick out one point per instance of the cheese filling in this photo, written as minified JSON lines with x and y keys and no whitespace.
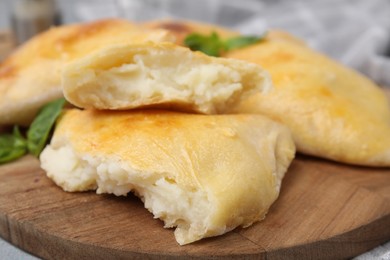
{"x":189,"y":210}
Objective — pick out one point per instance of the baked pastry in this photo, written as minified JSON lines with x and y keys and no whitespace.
{"x":160,"y":74}
{"x":203,"y":174}
{"x":31,"y":76}
{"x":332,"y":111}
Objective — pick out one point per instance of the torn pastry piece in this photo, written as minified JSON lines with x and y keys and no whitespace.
{"x":160,"y":74}
{"x":204,"y":175}
{"x":332,"y":111}
{"x":30,"y":77}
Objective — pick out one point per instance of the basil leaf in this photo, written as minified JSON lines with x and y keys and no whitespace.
{"x":20,"y":141}
{"x":214,"y":46}
{"x":39,"y":131}
{"x":211,"y":45}
{"x":241,"y":41}
{"x":12,"y":146}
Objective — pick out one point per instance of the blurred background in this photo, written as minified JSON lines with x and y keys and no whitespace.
{"x":355,"y":32}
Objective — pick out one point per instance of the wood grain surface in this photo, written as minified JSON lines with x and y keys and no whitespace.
{"x":325,"y":210}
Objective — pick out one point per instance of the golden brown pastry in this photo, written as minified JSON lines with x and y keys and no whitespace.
{"x":332,"y":111}
{"x":160,"y":74}
{"x":30,"y":77}
{"x":204,"y":175}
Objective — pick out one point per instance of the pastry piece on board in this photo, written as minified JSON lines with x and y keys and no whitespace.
{"x":160,"y":74}
{"x":332,"y":111}
{"x":30,"y":77}
{"x":203,"y":174}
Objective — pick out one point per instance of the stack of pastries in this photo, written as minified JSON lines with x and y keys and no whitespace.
{"x":203,"y":141}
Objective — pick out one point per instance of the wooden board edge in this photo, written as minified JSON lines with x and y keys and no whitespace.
{"x":352,"y":243}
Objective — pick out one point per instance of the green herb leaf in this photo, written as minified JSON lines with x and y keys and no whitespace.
{"x":241,"y":41}
{"x":211,"y":45}
{"x":12,"y":146}
{"x":214,"y":46}
{"x":39,"y":131}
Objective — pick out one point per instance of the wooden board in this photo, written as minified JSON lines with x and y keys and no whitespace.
{"x":325,"y":210}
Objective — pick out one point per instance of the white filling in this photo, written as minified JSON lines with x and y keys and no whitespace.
{"x":159,"y":78}
{"x":187,"y":209}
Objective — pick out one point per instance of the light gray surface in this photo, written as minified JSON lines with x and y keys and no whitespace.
{"x":355,"y":32}
{"x":379,"y":253}
{"x":10,"y":252}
